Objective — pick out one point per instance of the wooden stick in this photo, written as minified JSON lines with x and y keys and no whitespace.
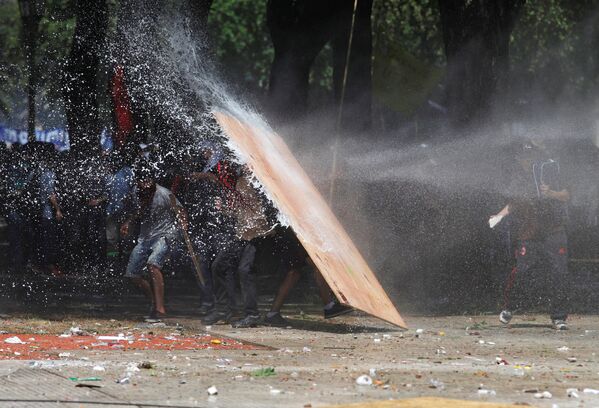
{"x":194,"y":258}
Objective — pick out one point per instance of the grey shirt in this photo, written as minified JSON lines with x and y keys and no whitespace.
{"x":159,"y":220}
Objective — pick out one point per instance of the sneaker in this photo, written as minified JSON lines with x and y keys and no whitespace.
{"x":505,"y":316}
{"x":216,"y":317}
{"x":205,"y":309}
{"x":248,"y":321}
{"x":276,"y":320}
{"x":559,"y":324}
{"x":337,"y":310}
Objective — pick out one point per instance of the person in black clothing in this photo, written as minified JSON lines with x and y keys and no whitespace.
{"x":199,"y":191}
{"x":538,"y":209}
{"x":293,"y":260}
{"x":245,"y":223}
{"x":17,"y":178}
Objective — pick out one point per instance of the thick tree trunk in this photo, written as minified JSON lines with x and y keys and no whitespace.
{"x":299,"y":30}
{"x":357,"y":98}
{"x":200,"y":10}
{"x":476,"y":35}
{"x":80,"y":86}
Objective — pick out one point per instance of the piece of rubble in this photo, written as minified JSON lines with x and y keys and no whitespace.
{"x":212,"y":390}
{"x":436,"y":384}
{"x":486,"y":393}
{"x":364,"y":380}
{"x":14,"y":340}
{"x":572,"y":393}
{"x":543,"y":395}
{"x":146,"y":365}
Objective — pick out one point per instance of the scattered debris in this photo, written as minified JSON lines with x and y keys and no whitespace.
{"x":124,"y":380}
{"x":572,"y":393}
{"x":543,"y":395}
{"x":486,"y":393}
{"x":264,"y":372}
{"x":212,"y":390}
{"x":120,"y":337}
{"x":85,"y":379}
{"x":436,"y":384}
{"x":501,"y":361}
{"x":364,"y":380}
{"x":76,"y":331}
{"x":14,"y":340}
{"x":591,"y":391}
{"x":275,"y":391}
{"x":146,"y":365}
{"x":88,"y":386}
{"x":572,"y":359}
{"x":99,"y":368}
{"x":563,"y":348}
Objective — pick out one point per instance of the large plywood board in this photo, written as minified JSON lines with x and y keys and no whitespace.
{"x":315,"y":225}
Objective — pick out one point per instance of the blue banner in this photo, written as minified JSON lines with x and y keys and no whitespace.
{"x":56,"y":136}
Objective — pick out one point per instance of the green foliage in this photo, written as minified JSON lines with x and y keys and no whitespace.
{"x":10,"y":54}
{"x":55,"y":33}
{"x":241,"y":41}
{"x":414,"y":24}
{"x":555,"y":39}
{"x":244,"y":50}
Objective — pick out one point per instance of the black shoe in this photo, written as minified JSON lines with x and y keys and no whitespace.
{"x":337,"y":310}
{"x":248,"y":321}
{"x":276,"y":321}
{"x":216,"y":317}
{"x":205,"y":309}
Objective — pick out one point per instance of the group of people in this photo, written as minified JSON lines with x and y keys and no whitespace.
{"x":211,"y":200}
{"x":56,"y":211}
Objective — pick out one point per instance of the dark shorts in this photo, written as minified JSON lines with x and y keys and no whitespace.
{"x":289,"y":250}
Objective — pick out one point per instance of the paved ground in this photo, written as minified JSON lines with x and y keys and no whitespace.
{"x":316,"y":363}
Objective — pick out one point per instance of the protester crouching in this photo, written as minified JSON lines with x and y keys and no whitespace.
{"x":236,"y":260}
{"x":199,"y":190}
{"x":158,"y":238}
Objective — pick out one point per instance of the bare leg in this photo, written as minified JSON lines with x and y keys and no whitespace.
{"x":144,"y":285}
{"x":158,"y":287}
{"x":324,"y":290}
{"x":288,"y":283}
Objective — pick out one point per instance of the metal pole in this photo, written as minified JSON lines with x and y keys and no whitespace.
{"x":340,"y":112}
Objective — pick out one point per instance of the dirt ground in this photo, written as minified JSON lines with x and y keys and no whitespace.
{"x":316,"y":363}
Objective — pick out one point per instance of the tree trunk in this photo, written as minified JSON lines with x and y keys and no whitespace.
{"x":299,"y":30}
{"x":80,"y":87}
{"x":476,"y":34}
{"x":357,"y":97}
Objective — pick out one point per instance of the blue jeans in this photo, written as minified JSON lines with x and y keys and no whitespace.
{"x":154,"y":251}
